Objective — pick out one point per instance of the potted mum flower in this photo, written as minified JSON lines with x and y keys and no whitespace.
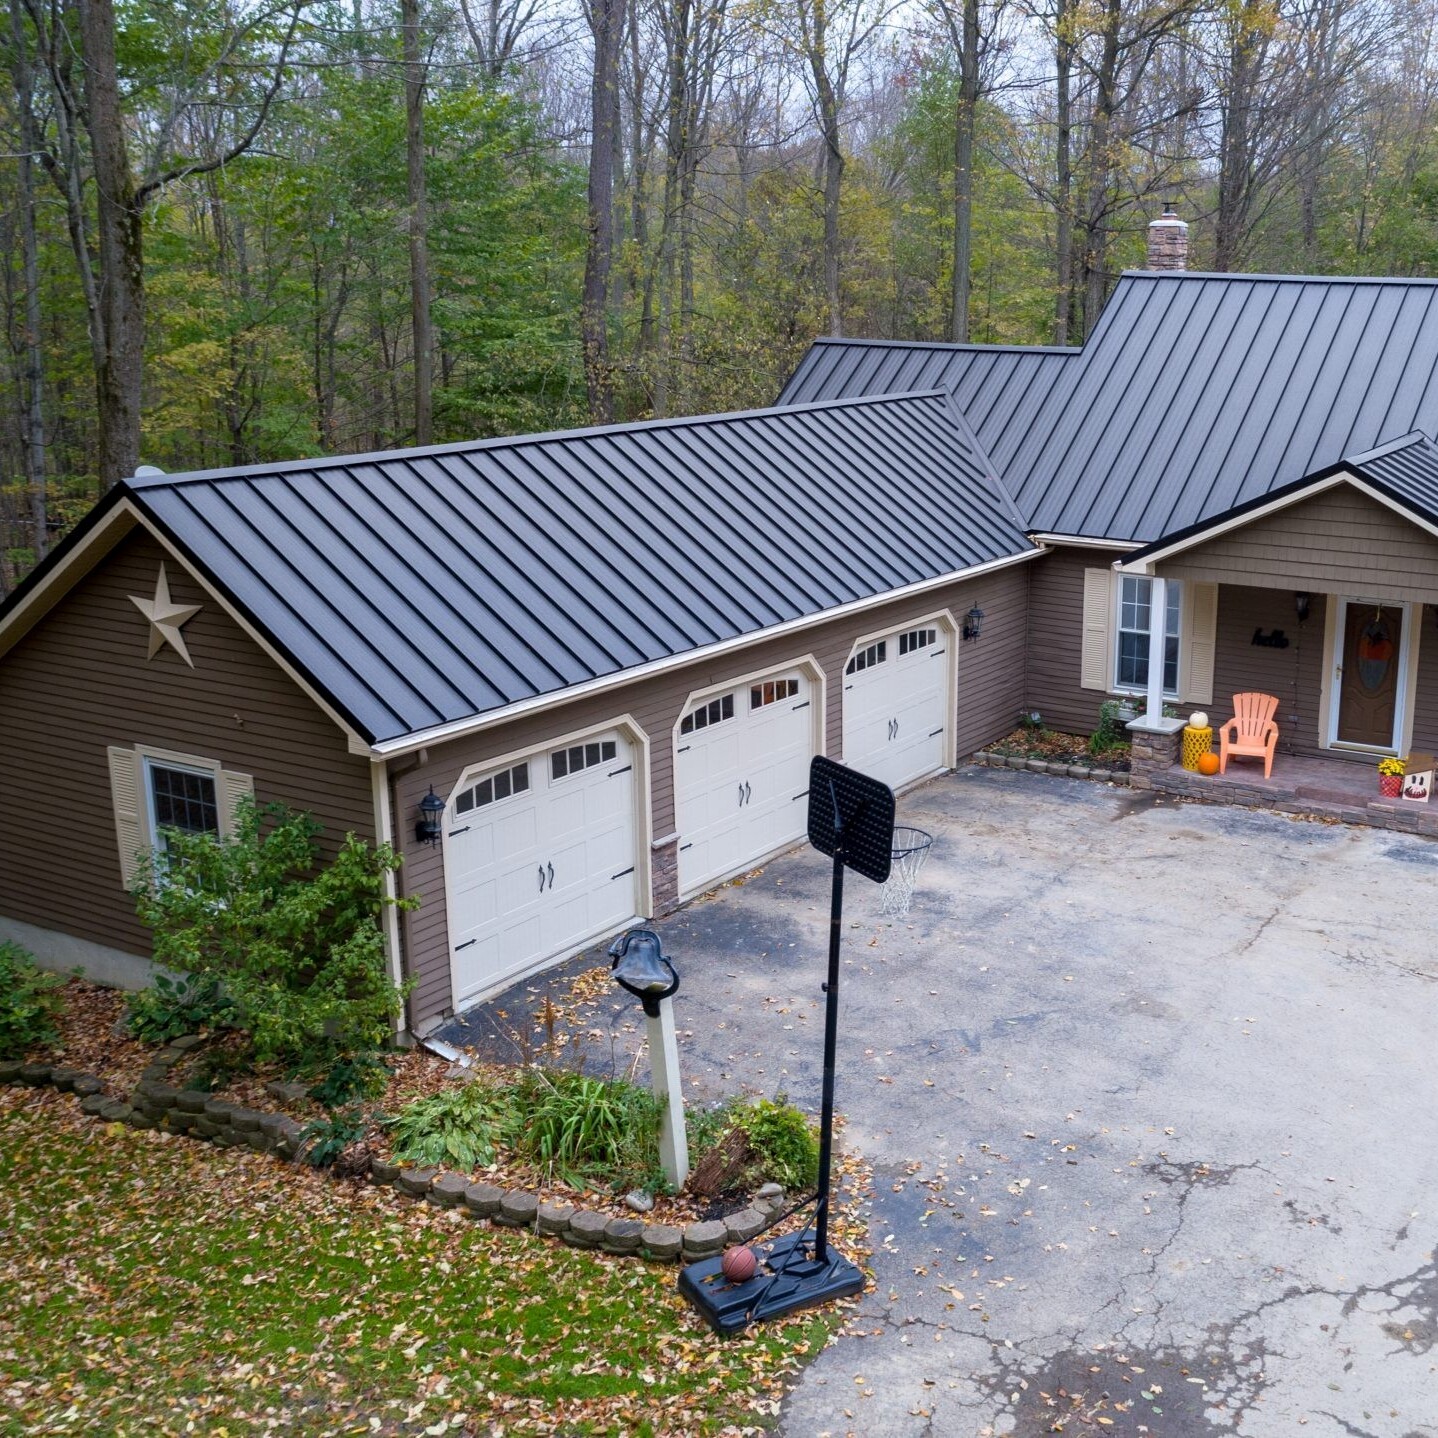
{"x":1390,"y":777}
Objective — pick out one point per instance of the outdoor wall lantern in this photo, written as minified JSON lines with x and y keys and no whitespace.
{"x":1301,"y":603}
{"x":973,"y":623}
{"x":641,"y":966}
{"x":430,"y":809}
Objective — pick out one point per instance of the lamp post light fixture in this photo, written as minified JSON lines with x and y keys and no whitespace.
{"x":430,"y":808}
{"x":973,"y":623}
{"x":641,"y":967}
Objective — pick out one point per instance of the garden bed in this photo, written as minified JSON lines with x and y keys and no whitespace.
{"x":1065,"y":751}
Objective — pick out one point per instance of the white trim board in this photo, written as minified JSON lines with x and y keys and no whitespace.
{"x":461,"y":728}
{"x":1084,"y":541}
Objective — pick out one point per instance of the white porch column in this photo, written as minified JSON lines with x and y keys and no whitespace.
{"x":1157,"y":643}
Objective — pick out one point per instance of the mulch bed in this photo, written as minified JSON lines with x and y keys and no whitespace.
{"x":93,"y":1038}
{"x":1050,"y":744}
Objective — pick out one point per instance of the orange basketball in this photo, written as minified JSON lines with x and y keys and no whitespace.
{"x":1208,"y":763}
{"x":739,"y":1264}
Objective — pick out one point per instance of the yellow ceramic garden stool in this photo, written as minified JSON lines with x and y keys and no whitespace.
{"x":1197,"y":740}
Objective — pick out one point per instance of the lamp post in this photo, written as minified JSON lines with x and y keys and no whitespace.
{"x":641,"y":966}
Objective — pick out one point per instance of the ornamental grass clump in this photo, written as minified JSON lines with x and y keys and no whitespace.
{"x":30,"y":1003}
{"x":298,"y":948}
{"x":584,"y":1129}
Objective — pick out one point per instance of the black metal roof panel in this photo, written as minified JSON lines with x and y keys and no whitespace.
{"x":420,"y":587}
{"x":1407,"y":470}
{"x":1195,"y":394}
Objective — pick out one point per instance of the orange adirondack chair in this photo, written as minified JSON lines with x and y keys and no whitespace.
{"x":1251,"y":733}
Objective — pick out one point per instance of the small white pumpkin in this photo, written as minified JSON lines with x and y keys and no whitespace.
{"x":1198,"y":720}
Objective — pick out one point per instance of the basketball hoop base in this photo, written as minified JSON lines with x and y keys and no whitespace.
{"x":790,"y":1277}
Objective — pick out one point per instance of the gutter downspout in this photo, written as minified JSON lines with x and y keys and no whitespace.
{"x":384,"y":834}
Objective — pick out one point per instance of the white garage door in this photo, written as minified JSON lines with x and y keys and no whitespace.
{"x":741,"y":769}
{"x":896,"y":701}
{"x":538,"y":858}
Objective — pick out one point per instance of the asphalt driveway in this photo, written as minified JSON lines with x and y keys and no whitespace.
{"x":1151,"y":1091}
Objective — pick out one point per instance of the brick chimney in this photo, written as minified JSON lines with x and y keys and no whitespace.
{"x":1167,"y":241}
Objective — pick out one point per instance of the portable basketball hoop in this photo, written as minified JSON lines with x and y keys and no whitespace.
{"x":910,"y":852}
{"x":851,"y":819}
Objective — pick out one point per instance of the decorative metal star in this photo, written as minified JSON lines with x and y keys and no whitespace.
{"x":166,"y":618}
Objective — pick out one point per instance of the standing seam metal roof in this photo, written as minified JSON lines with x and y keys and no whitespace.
{"x":1195,"y":394}
{"x":421,"y":587}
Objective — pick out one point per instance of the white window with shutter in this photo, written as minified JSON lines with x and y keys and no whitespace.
{"x":1117,"y":617}
{"x":158,"y":791}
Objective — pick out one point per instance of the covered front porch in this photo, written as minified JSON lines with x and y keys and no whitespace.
{"x":1326,"y":600}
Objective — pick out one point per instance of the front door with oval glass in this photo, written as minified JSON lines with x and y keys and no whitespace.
{"x":1369,"y":673}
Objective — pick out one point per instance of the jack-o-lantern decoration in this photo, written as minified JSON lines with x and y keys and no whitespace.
{"x":1208,"y":764}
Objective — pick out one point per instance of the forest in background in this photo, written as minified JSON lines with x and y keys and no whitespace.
{"x":249,"y":230}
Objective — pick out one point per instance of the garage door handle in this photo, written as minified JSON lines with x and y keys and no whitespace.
{"x":541,"y":878}
{"x":741,"y":796}
{"x":747,"y":792}
{"x":551,"y":876}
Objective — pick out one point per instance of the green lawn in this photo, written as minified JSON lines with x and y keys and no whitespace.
{"x":155,"y":1285}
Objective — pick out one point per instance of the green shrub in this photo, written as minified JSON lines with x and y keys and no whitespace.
{"x":583,"y":1128}
{"x":785,"y":1142}
{"x":350,"y":1078}
{"x":182,"y":1005}
{"x":327,"y":1138}
{"x":458,"y":1126}
{"x":29,"y":1003}
{"x":300,"y":951}
{"x":1110,"y":733}
{"x":704,"y":1127}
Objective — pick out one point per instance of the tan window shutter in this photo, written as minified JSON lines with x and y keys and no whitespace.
{"x":1097,"y":660}
{"x":232,"y":786}
{"x":1200,"y":640}
{"x":125,"y":796}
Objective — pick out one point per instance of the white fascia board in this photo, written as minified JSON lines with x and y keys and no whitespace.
{"x":460,"y":728}
{"x":1085,"y":541}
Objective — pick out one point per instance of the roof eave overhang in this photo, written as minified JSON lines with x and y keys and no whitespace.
{"x":1146,"y":559}
{"x":475,"y":724}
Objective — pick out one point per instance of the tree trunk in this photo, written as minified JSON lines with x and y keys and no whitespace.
{"x":964,"y":124}
{"x":1235,"y":170}
{"x":419,"y":300}
{"x":1101,"y":168}
{"x":1063,"y":173}
{"x":33,"y":414}
{"x":607,"y":21}
{"x":833,"y":191}
{"x":119,"y":241}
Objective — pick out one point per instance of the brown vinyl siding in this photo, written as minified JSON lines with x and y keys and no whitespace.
{"x":1340,"y":541}
{"x":1293,"y":675}
{"x":1055,"y":639}
{"x":80,"y":681}
{"x":991,"y":692}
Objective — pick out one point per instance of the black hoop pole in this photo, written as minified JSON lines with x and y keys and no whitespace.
{"x":831,"y":1042}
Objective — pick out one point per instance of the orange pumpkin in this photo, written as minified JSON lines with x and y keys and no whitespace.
{"x":1208,"y":764}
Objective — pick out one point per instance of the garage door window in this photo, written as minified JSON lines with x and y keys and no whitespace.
{"x":714,"y":712}
{"x":771,"y":691}
{"x":867,"y":658}
{"x":916,"y":639}
{"x":580,"y":757}
{"x":492,"y":790}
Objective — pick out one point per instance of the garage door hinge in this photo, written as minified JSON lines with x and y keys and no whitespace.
{"x":939,"y":730}
{"x":936,"y":654}
{"x":684,"y":748}
{"x":682,"y":847}
{"x":804,"y":705}
{"x":803,"y":793}
{"x":615,"y":773}
{"x":621,"y":873}
{"x":464,"y":830}
{"x":465,"y":944}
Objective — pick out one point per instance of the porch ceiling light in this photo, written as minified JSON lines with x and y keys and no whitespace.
{"x":973,"y":623}
{"x":430,"y":809}
{"x":641,"y":966}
